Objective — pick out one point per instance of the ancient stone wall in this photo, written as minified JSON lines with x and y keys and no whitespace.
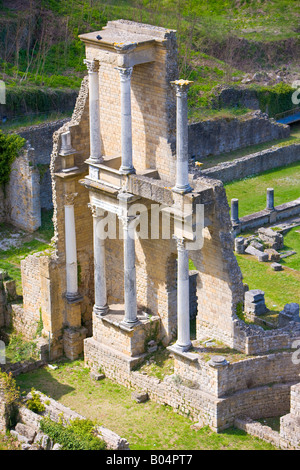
{"x":217,"y":136}
{"x":253,"y":164}
{"x":29,"y":189}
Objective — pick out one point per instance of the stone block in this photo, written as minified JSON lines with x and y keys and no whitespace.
{"x":277,"y":267}
{"x":272,"y":238}
{"x":239,"y":245}
{"x":262,"y":257}
{"x":288,"y":314}
{"x":97,"y":376}
{"x":140,"y":397}
{"x":272,"y":254}
{"x":26,"y":431}
{"x":255,"y":302}
{"x":257,"y":245}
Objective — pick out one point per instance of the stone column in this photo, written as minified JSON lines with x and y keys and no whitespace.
{"x":270,"y":199}
{"x":126,"y":124}
{"x":182,"y":167}
{"x":183,"y":297}
{"x":94,"y":111}
{"x":72,"y":294}
{"x":129,"y":224}
{"x":235,"y":211}
{"x":100,"y":307}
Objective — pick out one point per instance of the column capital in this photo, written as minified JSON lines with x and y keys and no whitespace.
{"x":182,"y":87}
{"x":97,"y":212}
{"x":180,"y":243}
{"x":92,"y":65}
{"x":70,"y":198}
{"x":125,"y":73}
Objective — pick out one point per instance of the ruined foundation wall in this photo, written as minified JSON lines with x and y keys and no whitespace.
{"x":217,"y":136}
{"x":254,"y":164}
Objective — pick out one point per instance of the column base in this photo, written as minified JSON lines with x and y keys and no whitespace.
{"x":73,"y":298}
{"x":182,"y":189}
{"x":183,"y":348}
{"x":100,"y":311}
{"x":127,"y":171}
{"x":130,"y":325}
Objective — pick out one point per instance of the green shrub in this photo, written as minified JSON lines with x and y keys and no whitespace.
{"x":78,"y":435}
{"x":10,"y":146}
{"x":35,"y":404}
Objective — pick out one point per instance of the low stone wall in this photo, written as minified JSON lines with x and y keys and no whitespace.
{"x":217,"y":136}
{"x":253,"y":164}
{"x":265,"y":217}
{"x":290,"y":424}
{"x":195,"y":389}
{"x":252,"y":339}
{"x":56,"y":411}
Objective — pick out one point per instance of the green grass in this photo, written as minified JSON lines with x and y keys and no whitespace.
{"x":251,"y":192}
{"x":281,"y":287}
{"x":10,"y":258}
{"x":146,"y":425}
{"x":292,"y":242}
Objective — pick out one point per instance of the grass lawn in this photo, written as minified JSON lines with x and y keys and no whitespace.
{"x":280,"y":287}
{"x":251,"y":192}
{"x":19,"y":245}
{"x":147,"y":426}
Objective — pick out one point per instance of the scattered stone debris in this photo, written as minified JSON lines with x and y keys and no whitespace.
{"x":271,"y":238}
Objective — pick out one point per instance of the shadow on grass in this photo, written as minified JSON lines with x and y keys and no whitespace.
{"x":43,"y":381}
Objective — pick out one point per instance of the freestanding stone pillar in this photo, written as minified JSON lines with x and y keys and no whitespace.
{"x":270,"y":199}
{"x":130,"y":299}
{"x":126,"y":124}
{"x":183,"y":298}
{"x":235,"y":211}
{"x":72,"y":294}
{"x":100,"y":307}
{"x":182,"y":168}
{"x":94,"y":111}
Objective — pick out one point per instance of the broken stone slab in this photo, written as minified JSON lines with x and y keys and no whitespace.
{"x":140,"y":397}
{"x":272,"y":238}
{"x":277,"y":267}
{"x":257,"y":245}
{"x":262,"y":257}
{"x":272,"y":254}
